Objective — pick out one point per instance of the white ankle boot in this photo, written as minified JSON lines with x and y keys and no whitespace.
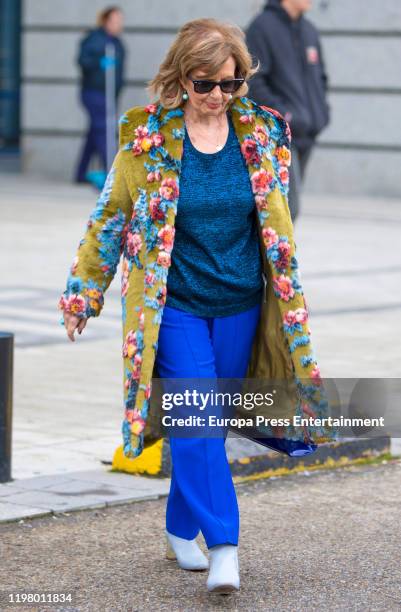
{"x":187,"y":553}
{"x":224,"y":569}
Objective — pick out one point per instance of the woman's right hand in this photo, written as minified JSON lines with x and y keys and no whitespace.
{"x":72,"y":323}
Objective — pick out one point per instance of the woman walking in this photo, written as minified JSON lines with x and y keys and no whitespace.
{"x":196,"y":201}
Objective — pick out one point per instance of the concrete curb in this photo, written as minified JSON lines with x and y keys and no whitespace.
{"x":248,"y":458}
{"x":333,"y":455}
{"x":70,"y":492}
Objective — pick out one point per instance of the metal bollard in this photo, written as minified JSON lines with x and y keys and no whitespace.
{"x":6,"y":403}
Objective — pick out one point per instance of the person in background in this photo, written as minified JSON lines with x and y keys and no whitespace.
{"x":93,"y":62}
{"x":292,"y":79}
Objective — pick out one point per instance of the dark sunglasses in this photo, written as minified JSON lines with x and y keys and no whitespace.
{"x":204,"y":86}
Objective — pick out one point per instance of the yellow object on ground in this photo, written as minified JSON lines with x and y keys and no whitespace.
{"x":148,"y":462}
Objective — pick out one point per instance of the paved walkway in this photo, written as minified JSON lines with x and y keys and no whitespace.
{"x":41,"y":495}
{"x":68,"y":400}
{"x":325,"y":541}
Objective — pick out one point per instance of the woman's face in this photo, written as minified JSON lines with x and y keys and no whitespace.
{"x":214,"y":102}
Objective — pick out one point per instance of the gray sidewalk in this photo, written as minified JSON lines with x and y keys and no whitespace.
{"x":68,"y":403}
{"x":41,"y":495}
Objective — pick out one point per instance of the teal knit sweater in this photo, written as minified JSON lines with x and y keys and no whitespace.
{"x":216,"y":267}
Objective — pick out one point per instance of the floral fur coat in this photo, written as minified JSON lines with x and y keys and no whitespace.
{"x":134,"y":217}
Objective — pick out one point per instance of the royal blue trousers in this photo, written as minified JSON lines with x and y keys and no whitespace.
{"x":202,"y":494}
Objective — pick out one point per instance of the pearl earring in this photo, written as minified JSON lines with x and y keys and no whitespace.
{"x":185,"y":96}
{"x":230,"y":96}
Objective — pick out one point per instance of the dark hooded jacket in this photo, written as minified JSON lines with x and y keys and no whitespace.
{"x":292,"y":77}
{"x":92,"y":50}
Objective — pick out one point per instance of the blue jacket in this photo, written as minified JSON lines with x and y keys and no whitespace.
{"x":92,"y":50}
{"x":292,"y":77}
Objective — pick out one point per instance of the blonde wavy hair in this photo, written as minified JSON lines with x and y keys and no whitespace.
{"x":206,"y":44}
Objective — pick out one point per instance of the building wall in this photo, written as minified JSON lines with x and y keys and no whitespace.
{"x":359,"y":153}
